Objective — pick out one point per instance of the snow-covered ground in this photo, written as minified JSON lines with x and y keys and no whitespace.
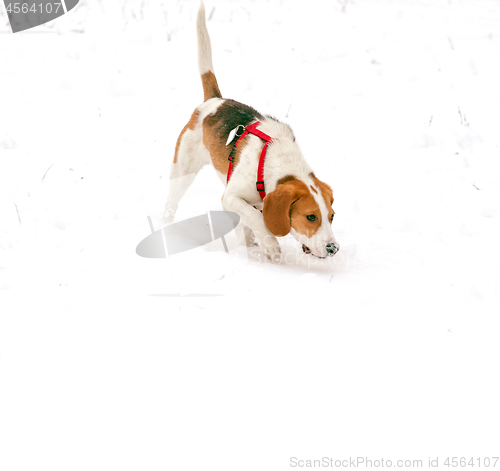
{"x":206,"y":360}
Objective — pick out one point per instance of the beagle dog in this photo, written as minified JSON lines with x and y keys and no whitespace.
{"x":269,"y":184}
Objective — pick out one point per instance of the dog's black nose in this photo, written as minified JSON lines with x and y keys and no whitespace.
{"x":332,"y":249}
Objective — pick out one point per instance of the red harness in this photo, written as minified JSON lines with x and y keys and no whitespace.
{"x":252,"y":129}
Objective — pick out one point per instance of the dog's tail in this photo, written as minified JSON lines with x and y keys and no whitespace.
{"x":210,"y":86}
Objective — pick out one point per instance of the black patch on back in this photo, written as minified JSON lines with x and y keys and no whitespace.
{"x":229,"y":115}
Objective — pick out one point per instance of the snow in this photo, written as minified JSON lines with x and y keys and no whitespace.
{"x":213,"y":361}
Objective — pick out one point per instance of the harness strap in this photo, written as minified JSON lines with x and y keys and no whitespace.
{"x":252,"y":129}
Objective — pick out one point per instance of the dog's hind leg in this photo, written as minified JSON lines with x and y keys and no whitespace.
{"x":190,"y":157}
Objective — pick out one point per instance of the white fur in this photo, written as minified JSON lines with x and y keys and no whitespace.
{"x":204,"y":46}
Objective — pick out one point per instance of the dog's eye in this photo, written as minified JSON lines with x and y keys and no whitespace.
{"x":331,"y":218}
{"x":311,"y":217}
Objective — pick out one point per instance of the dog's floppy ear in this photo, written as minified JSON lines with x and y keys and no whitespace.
{"x":278,"y":206}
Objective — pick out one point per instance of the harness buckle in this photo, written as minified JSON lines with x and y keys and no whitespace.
{"x":238,"y":134}
{"x":261,"y":186}
{"x":235,"y":133}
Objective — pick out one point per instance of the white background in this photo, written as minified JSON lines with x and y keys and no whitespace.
{"x":388,"y":350}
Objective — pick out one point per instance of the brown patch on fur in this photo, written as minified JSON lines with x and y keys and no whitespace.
{"x":326,"y":192}
{"x":285,"y":179}
{"x":288,"y":206}
{"x":190,"y":125}
{"x":216,"y":129}
{"x":210,"y":86}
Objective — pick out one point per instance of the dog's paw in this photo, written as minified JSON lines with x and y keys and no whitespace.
{"x":169,"y":213}
{"x":275,"y":258}
{"x":271,"y":247}
{"x":250,"y":239}
{"x":166,"y":221}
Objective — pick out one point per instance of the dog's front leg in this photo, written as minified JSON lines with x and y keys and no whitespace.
{"x":253,"y":219}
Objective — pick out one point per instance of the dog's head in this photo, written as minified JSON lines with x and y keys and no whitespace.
{"x":305,"y":211}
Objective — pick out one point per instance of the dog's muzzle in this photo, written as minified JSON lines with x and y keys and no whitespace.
{"x":331,"y":250}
